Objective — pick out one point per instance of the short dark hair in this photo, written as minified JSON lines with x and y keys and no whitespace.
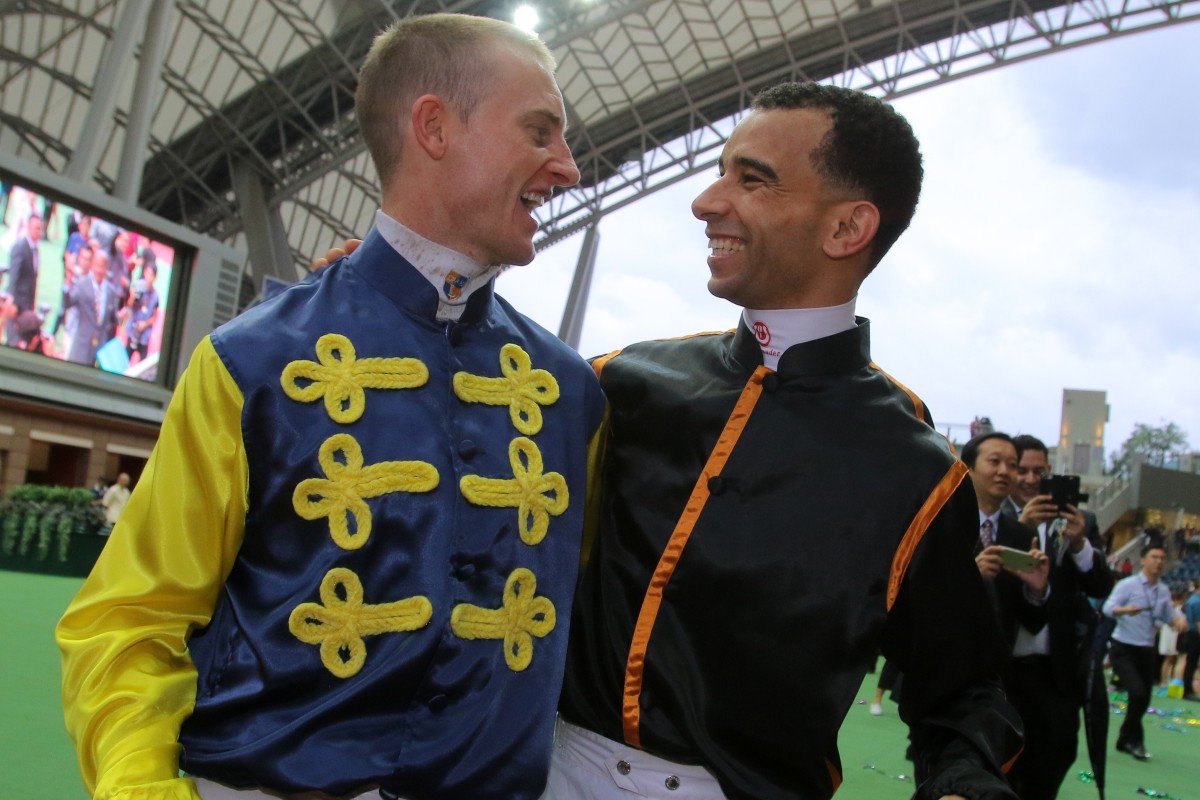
{"x":1025,"y":442}
{"x":1153,"y":544}
{"x":970,"y":450}
{"x":870,"y":149}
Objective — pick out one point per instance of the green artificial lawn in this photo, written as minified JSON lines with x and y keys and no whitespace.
{"x":38,"y":757}
{"x":39,"y":760}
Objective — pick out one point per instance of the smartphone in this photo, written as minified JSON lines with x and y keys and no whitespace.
{"x":1063,"y":490}
{"x":1018,"y":559}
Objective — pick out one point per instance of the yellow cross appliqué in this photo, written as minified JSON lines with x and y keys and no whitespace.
{"x":535,"y":495}
{"x":340,"y":377}
{"x":340,"y":621}
{"x":520,"y":387}
{"x":523,"y":616}
{"x":342,"y":494}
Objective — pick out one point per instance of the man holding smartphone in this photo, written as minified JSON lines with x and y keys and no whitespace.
{"x":1018,"y":595}
{"x":1042,"y":678}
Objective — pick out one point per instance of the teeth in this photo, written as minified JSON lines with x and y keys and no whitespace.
{"x":533,"y":199}
{"x":726,"y":245}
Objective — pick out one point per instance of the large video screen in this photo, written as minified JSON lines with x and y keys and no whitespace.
{"x":81,"y":287}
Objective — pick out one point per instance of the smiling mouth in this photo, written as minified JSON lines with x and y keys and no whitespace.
{"x":721,"y":246}
{"x":533,"y":200}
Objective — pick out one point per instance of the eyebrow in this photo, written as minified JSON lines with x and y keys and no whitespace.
{"x":745,"y":162}
{"x":548,"y":116}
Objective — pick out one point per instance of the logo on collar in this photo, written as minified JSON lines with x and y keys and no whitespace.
{"x":762,"y":333}
{"x":454,"y":284}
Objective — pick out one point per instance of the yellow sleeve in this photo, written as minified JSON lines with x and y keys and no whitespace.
{"x":591,"y":513}
{"x":128,"y":681}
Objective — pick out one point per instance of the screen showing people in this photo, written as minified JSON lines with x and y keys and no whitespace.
{"x":80,"y":288}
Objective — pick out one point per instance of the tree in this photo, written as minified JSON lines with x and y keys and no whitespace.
{"x":1151,"y":445}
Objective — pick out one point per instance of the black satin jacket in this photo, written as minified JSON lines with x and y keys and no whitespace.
{"x":763,"y":536}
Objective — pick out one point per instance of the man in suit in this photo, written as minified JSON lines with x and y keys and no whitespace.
{"x":1046,"y":678}
{"x":97,"y":302}
{"x":1018,"y":594}
{"x":23,"y":272}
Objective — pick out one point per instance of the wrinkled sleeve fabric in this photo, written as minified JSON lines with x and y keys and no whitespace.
{"x":1119,"y":598}
{"x":128,"y":681}
{"x":591,"y":518}
{"x":943,"y":635}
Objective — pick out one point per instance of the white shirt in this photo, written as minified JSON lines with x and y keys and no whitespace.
{"x":778,"y":329}
{"x":453,"y":275}
{"x":1038,"y":644}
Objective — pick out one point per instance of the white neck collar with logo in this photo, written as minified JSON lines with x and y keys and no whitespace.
{"x":778,"y":329}
{"x":454,"y":275}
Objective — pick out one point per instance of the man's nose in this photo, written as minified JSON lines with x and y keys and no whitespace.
{"x":563,"y":167}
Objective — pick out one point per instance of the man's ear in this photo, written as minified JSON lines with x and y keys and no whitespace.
{"x":429,"y":125}
{"x":855,"y":224}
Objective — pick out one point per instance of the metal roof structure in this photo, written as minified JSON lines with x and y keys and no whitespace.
{"x":236,"y":118}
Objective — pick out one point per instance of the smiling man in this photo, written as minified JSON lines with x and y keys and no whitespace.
{"x":1018,"y":595}
{"x":776,"y":509}
{"x":1049,"y":675}
{"x":348,"y":568}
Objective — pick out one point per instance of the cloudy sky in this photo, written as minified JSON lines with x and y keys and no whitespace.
{"x":1057,"y":245}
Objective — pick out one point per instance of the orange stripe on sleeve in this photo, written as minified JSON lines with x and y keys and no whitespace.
{"x":916,"y":529}
{"x":918,"y":404}
{"x":834,"y":775}
{"x":599,"y":361}
{"x":631,"y":703}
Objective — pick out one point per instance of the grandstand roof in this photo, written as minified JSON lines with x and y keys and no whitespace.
{"x":208,"y":105}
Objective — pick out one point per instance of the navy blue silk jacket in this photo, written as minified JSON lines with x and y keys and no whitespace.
{"x":397,"y":613}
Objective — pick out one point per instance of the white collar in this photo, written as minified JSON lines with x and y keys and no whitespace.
{"x":777,"y":329}
{"x":453,"y":275}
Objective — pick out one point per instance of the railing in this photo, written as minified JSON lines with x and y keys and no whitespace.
{"x":1116,"y":497}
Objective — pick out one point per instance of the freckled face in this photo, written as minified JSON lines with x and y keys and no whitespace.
{"x":506,"y":161}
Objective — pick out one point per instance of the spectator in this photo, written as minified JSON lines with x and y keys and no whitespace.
{"x":118,"y":273}
{"x":143,"y":311}
{"x":1018,"y":594}
{"x":1170,"y":665}
{"x":1052,"y":672}
{"x":96,"y":304}
{"x":1139,"y":603}
{"x":23,"y":275}
{"x":1190,"y":641}
{"x":115,"y":499}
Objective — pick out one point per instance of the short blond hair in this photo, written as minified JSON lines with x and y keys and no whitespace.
{"x":442,"y":54}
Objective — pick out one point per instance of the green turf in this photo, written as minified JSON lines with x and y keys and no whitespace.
{"x":878,"y":742}
{"x":39,"y":762}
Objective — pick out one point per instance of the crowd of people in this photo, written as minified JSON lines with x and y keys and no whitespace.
{"x":382,"y":499}
{"x":1065,"y":616}
{"x":106,"y":286}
